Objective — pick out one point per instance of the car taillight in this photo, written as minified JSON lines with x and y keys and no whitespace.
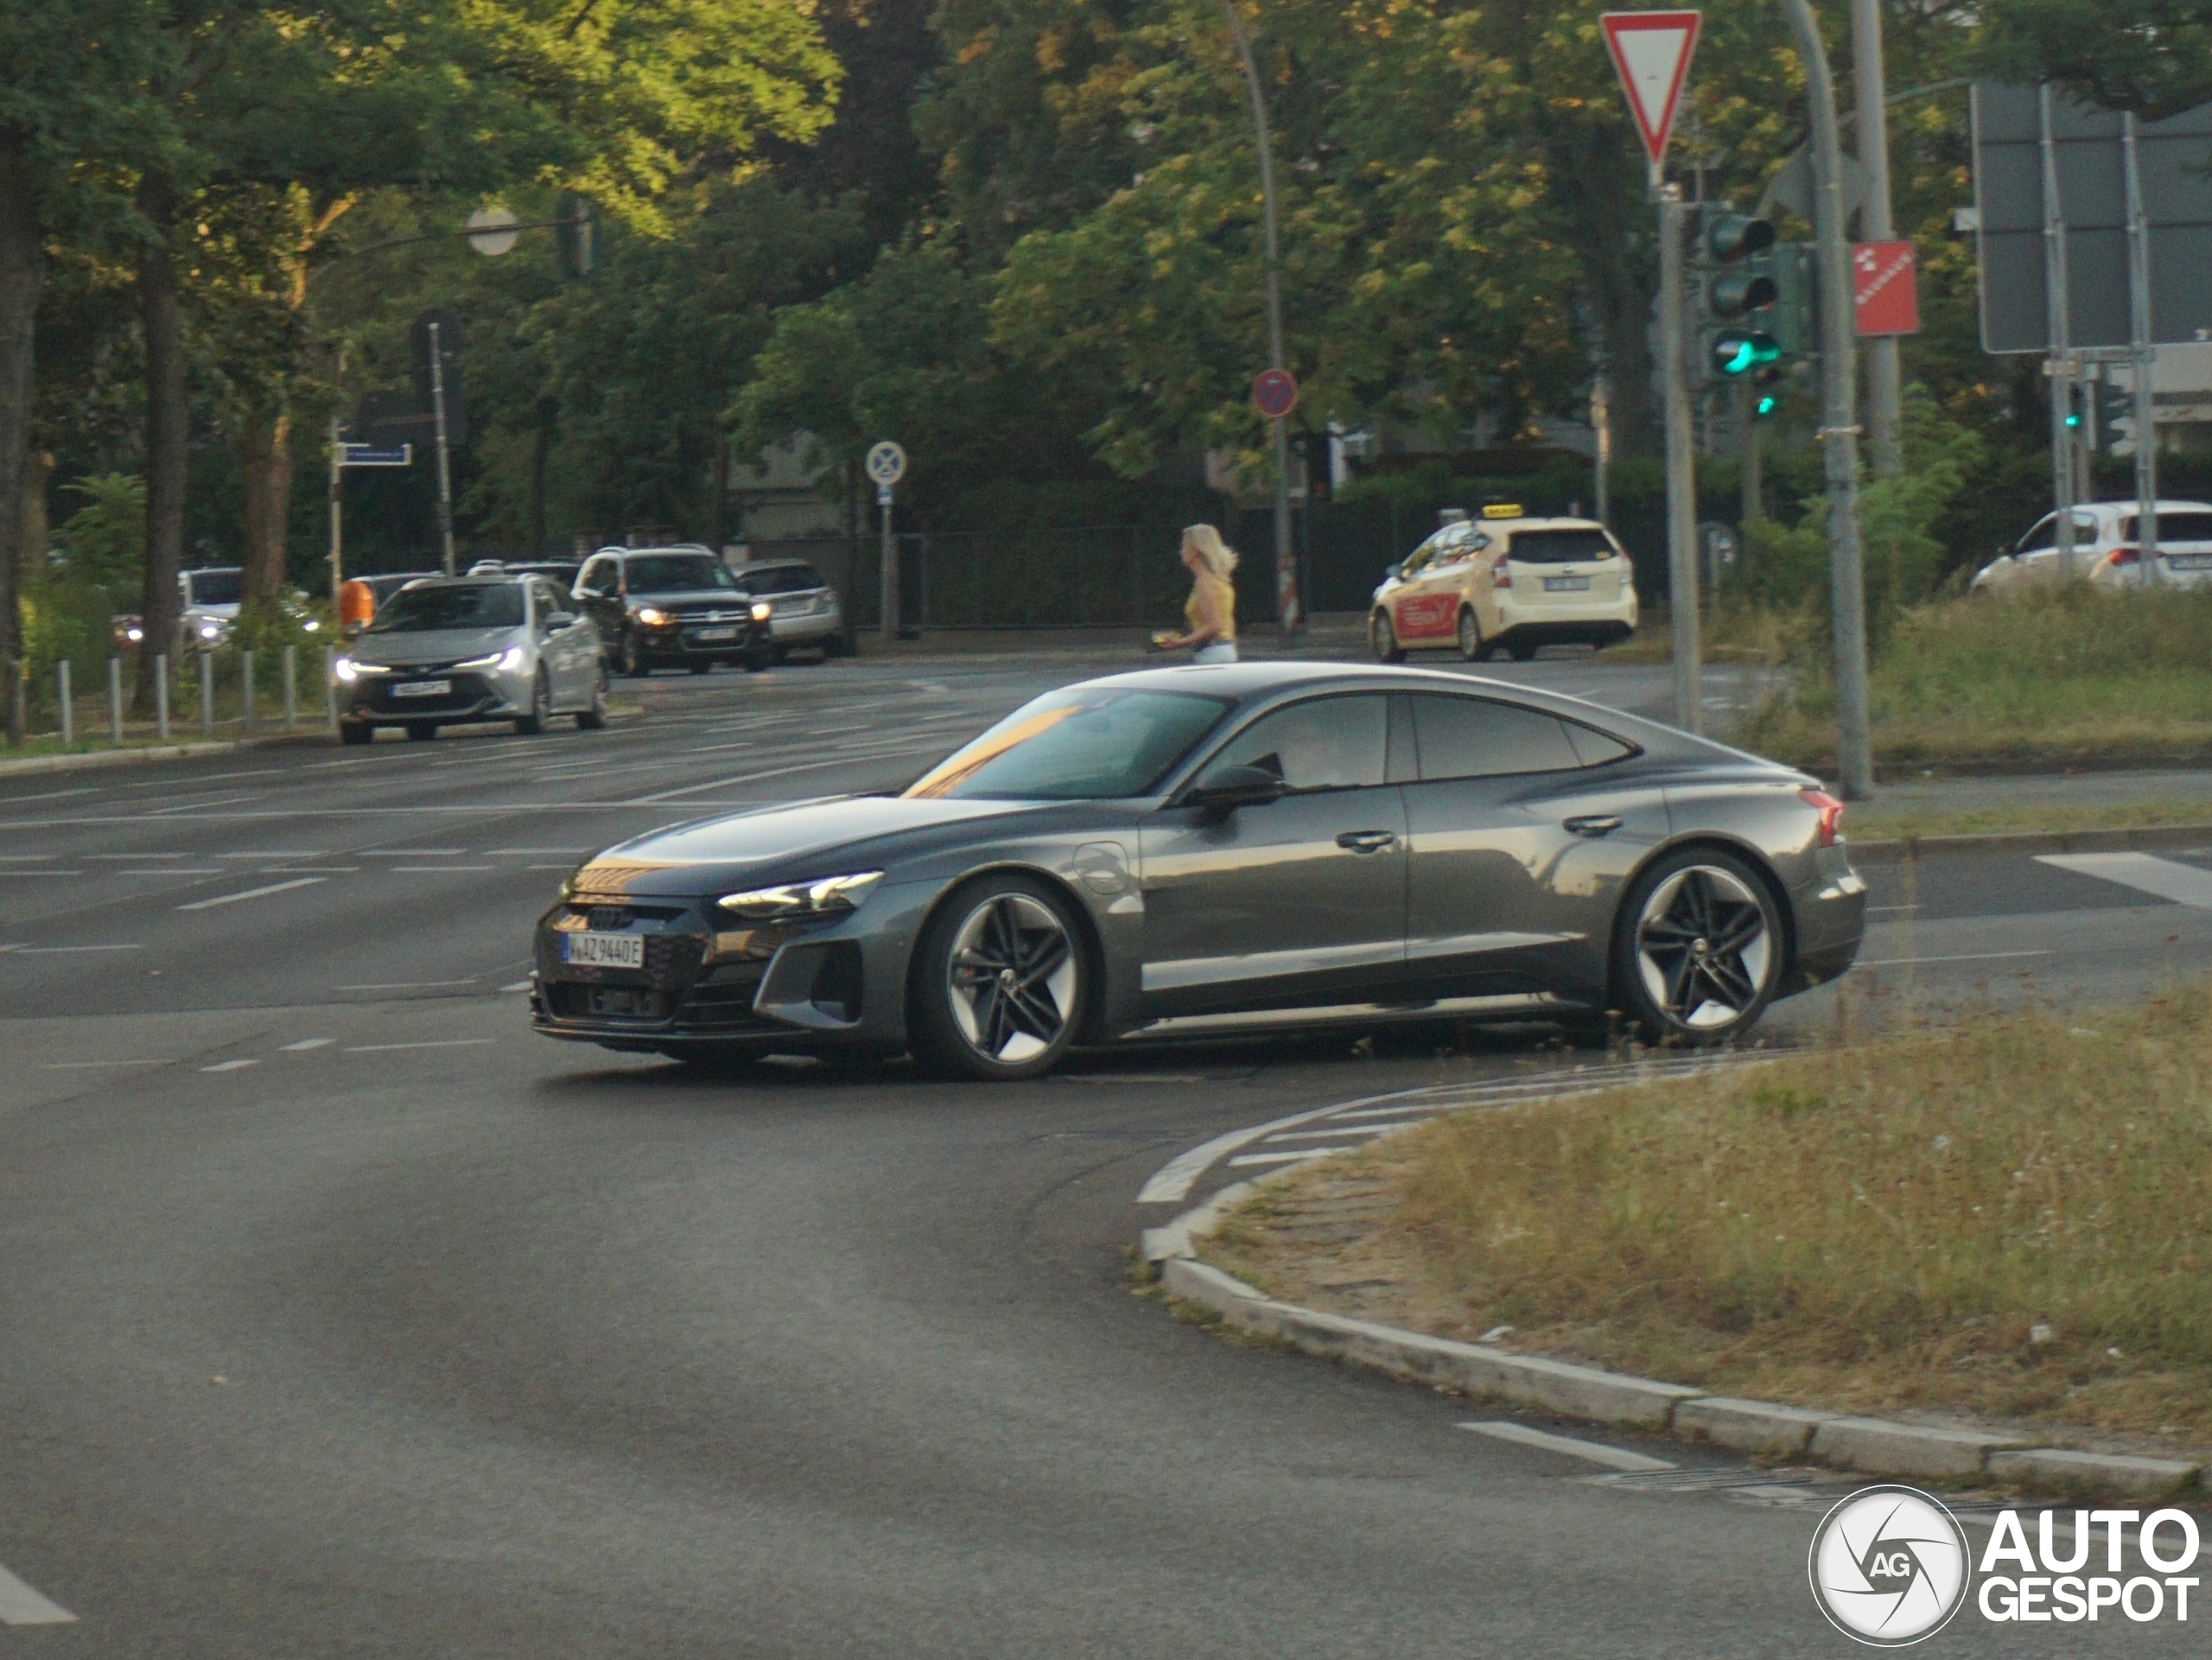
{"x":1830,"y":810}
{"x":1500,"y":576}
{"x":2125,"y":556}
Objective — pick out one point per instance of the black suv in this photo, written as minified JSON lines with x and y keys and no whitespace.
{"x":657,"y":607}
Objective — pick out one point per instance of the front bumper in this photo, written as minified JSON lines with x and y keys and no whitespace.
{"x":476,"y":695}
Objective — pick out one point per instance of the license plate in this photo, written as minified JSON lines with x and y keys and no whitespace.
{"x":2189,"y":560}
{"x":604,"y":950}
{"x":423,"y":689}
{"x":1566,"y":584}
{"x":714,"y":634}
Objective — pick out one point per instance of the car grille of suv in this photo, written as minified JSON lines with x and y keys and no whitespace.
{"x":708,"y":613}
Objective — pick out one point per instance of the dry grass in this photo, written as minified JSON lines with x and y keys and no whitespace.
{"x":1880,"y":1228}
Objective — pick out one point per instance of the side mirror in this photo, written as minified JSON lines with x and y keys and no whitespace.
{"x":585,"y":593}
{"x":1392,"y":572}
{"x":556,"y":620}
{"x":1236,"y":786}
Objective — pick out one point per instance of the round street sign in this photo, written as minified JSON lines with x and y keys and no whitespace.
{"x":492,"y":230}
{"x":887,"y":463}
{"x":1275,"y":393}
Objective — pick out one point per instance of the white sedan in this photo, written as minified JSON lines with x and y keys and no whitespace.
{"x":2106,"y":548}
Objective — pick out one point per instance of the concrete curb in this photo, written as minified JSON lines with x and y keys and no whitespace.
{"x":94,"y":758}
{"x":1909,"y":849}
{"x":1870,"y":1446}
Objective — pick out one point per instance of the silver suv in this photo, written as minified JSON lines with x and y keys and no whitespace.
{"x":804,"y":612}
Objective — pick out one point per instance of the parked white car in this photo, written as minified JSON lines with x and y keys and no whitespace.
{"x":2106,"y":551}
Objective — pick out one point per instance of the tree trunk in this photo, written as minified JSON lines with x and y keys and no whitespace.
{"x":1602,"y":191}
{"x":265,"y":458}
{"x":23,"y":270}
{"x":38,"y":528}
{"x":161,"y":318}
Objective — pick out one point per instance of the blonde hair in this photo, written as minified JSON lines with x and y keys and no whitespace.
{"x":1216,"y":555}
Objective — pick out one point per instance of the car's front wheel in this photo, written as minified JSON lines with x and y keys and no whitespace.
{"x":593,"y":717}
{"x":1000,"y":981}
{"x":637,"y":662}
{"x":1383,"y":639}
{"x":1699,"y":949}
{"x":422,"y":731}
{"x":356,"y":732}
{"x":541,"y":706}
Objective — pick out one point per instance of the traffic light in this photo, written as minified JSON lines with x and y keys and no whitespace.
{"x":1740,"y":294}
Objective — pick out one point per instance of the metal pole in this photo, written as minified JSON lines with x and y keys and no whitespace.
{"x":2141,"y":342}
{"x":162,"y":695}
{"x":18,"y":715}
{"x":115,"y":698}
{"x":245,"y":691}
{"x":1884,"y":377}
{"x":1752,"y":480}
{"x":1681,"y":465}
{"x":207,"y":694}
{"x":337,"y":513}
{"x":1601,"y":425}
{"x":291,"y":688}
{"x":68,"y":714}
{"x":330,"y":686}
{"x":1288,"y":609}
{"x":2059,"y":311}
{"x":1839,"y":433}
{"x":888,"y":579}
{"x":445,"y":464}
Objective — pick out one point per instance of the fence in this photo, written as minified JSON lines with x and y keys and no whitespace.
{"x":196,"y":693}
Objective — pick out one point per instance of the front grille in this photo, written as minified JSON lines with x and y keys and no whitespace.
{"x":690,"y":613}
{"x":469,"y":691}
{"x":723,"y":1002}
{"x":575,"y":1001}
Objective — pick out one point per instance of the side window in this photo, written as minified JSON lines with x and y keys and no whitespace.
{"x":1596,"y":747}
{"x":1456,"y":545}
{"x":1472,"y":737}
{"x":598,"y":576}
{"x":2045,"y":535}
{"x":1418,"y":560}
{"x":1324,"y":743}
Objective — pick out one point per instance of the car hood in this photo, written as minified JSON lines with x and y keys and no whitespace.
{"x":437,"y":645}
{"x":692,"y":596}
{"x":783,"y":844}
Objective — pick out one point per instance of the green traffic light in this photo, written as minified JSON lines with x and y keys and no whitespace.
{"x":2073,"y":418}
{"x":1768,"y":405}
{"x":1735,"y":355}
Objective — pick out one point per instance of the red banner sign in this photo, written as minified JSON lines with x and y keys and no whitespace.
{"x":1884,"y":290}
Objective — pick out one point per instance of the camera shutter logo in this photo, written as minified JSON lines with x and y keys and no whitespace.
{"x":1889,"y":1566}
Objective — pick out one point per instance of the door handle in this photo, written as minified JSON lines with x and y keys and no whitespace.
{"x":1366,"y":841}
{"x":1595,"y":824}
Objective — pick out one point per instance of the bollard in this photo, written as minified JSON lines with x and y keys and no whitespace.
{"x":330,"y":684}
{"x":162,"y":697}
{"x":18,"y":674}
{"x":245,"y":691}
{"x":206,"y":694}
{"x":61,"y":693}
{"x":291,"y":687}
{"x":115,"y":698}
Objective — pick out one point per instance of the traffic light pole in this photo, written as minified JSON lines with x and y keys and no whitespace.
{"x":1681,"y":463}
{"x":445,"y":459}
{"x":1885,"y":392}
{"x":1840,"y":432}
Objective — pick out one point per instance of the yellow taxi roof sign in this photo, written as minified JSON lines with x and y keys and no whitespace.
{"x":1502,"y":511}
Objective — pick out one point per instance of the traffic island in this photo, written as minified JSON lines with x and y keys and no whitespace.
{"x":1978,"y":1253}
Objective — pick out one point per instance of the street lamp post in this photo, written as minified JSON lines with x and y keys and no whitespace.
{"x":1287,"y":601}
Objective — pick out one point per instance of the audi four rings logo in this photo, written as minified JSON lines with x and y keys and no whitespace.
{"x":1889,"y":1566}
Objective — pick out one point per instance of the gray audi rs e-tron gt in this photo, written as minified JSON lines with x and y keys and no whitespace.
{"x":1207,"y":851}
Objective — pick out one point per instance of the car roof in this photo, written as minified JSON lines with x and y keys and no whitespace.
{"x":777,"y":564}
{"x":212,"y":570}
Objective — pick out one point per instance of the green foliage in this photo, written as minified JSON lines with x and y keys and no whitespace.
{"x":2151,"y":56}
{"x":104,"y":542}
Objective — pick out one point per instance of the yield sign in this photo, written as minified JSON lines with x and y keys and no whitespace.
{"x":1652,"y":51}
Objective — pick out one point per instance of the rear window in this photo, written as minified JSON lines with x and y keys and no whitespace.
{"x":780,"y":579}
{"x":2172,"y":527}
{"x":1558,"y":547}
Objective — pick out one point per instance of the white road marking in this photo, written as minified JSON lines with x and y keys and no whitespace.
{"x":251,"y":894}
{"x":84,"y":1066}
{"x":63,"y":950}
{"x":172,"y":870}
{"x":436,"y":1043}
{"x":50,"y":795}
{"x":230,"y":1065}
{"x":1970,"y":956}
{"x":1317,"y":1135}
{"x":432,"y":870}
{"x":1396,"y":1112}
{"x":1288,"y":1158}
{"x":409,"y":985}
{"x":279,"y":853}
{"x":125,"y":858}
{"x":305,"y":1044}
{"x":1885,"y":910}
{"x":520,"y":985}
{"x":1596,"y":1452}
{"x":41,"y":872}
{"x":312,"y":870}
{"x":21,"y":1606}
{"x":570,"y":865}
{"x":773,"y":772}
{"x":2183,"y":884}
{"x":525,"y":853}
{"x":412,"y":852}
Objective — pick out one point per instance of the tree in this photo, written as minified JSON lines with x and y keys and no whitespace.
{"x":2151,"y":56}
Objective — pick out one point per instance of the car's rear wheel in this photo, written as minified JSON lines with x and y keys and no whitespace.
{"x":1383,"y":639}
{"x":637,"y":662}
{"x":1698,"y":948}
{"x":707,"y":667}
{"x":356,"y":732}
{"x":1471,"y":636}
{"x":593,"y":718}
{"x":422,"y":731}
{"x":755,"y":662}
{"x":1000,"y":981}
{"x":1524,"y":650}
{"x":541,"y":706}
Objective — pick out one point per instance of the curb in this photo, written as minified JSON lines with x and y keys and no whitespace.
{"x":1868,"y":1446}
{"x":93,"y":757}
{"x":1909,"y":849}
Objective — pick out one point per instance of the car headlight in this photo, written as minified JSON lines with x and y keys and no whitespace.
{"x":211,"y":631}
{"x":652,"y":616}
{"x":310,"y":627}
{"x":510,"y":661}
{"x":831,"y":896}
{"x":762,"y":611}
{"x":348,"y":671}
{"x":134,"y":635}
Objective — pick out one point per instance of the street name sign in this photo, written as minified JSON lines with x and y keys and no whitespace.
{"x":1652,"y":51}
{"x":376,"y":454}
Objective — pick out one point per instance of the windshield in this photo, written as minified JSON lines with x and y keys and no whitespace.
{"x":1080,"y":744}
{"x":667,"y":573}
{"x":782,"y":579}
{"x":469,"y":605}
{"x":216,"y":587}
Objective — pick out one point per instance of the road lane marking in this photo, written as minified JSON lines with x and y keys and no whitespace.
{"x":63,"y":950}
{"x":1394,"y":1112}
{"x":1317,"y":1134}
{"x":409,"y":985}
{"x":1887,"y":910}
{"x":21,"y":1606}
{"x":1616,"y":1457}
{"x":525,"y":853}
{"x":2183,"y":884}
{"x":305,"y":1044}
{"x":1969,"y":956}
{"x":251,"y":894}
{"x":312,"y":870}
{"x":126,"y":858}
{"x":412,"y":852}
{"x":1288,"y":1158}
{"x":520,"y":985}
{"x":279,"y":853}
{"x":433,"y":1043}
{"x":172,"y":870}
{"x":50,"y":795}
{"x":41,"y":872}
{"x":230,"y":1065}
{"x":432,"y":870}
{"x":570,"y":865}
{"x":773,"y":772}
{"x":83,"y":1066}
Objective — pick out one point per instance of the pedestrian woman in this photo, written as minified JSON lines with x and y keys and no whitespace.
{"x":1212,"y":609}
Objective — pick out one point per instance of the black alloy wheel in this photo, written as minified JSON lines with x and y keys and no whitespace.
{"x":541,"y":706}
{"x":1471,"y":635}
{"x":356,"y":732}
{"x":637,"y":662}
{"x":594,"y":716}
{"x":1698,"y":948}
{"x":1382,"y":638}
{"x":1000,"y":981}
{"x":422,"y":731}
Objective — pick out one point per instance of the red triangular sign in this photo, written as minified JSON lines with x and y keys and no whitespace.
{"x":1652,"y":51}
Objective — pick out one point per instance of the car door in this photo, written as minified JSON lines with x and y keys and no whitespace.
{"x":598,"y":590}
{"x":559,"y":649}
{"x":1522,"y":827}
{"x":1426,"y":607}
{"x":1294,"y":902}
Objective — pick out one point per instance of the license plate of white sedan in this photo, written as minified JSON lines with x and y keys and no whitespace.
{"x":1566,"y":584}
{"x":2190,"y":561}
{"x":714,"y":634}
{"x":604,"y":950}
{"x":423,"y":689}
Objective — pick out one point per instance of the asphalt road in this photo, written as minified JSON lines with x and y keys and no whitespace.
{"x":338,"y":1315}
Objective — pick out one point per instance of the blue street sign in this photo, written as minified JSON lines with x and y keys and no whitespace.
{"x":376,"y":456}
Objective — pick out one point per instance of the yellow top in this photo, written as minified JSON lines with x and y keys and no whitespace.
{"x":1227,"y":596}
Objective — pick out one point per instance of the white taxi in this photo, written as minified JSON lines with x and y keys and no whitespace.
{"x":1510,"y":584}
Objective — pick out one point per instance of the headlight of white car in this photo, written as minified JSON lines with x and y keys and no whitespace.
{"x":831,"y":896}
{"x":349,"y":671}
{"x":509,"y":661}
